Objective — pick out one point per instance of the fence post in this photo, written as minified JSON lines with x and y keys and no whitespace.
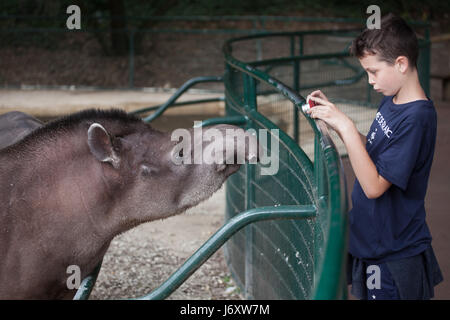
{"x":250,"y":104}
{"x":297,"y":84}
{"x":131,"y":33}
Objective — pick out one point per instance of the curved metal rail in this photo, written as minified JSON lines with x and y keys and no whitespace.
{"x":220,"y":237}
{"x":188,"y":84}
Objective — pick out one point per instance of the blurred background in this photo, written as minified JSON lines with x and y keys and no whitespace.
{"x":161,"y":43}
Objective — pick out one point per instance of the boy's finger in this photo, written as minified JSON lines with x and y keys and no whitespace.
{"x":319,"y":94}
{"x":316,"y":93}
{"x":320,"y":100}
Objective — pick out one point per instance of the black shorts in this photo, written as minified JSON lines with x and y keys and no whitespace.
{"x":411,"y":278}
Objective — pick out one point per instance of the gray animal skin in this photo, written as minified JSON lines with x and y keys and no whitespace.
{"x":70,"y":186}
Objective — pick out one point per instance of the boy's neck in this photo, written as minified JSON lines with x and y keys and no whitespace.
{"x":410,"y":91}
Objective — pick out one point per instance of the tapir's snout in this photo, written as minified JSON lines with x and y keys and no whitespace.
{"x":220,"y":146}
{"x":239,"y":147}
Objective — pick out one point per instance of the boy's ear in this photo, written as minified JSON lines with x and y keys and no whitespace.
{"x":402,"y":64}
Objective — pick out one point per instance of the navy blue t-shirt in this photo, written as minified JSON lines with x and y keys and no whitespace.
{"x":401,"y":144}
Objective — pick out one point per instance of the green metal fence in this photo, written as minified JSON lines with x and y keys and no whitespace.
{"x":292,"y":259}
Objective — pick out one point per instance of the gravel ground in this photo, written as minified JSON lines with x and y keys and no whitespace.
{"x":139,"y":260}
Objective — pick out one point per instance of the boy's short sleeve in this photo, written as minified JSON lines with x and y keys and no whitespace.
{"x":396,"y":163}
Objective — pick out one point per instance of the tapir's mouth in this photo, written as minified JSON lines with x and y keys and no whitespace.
{"x":228,"y":169}
{"x":189,"y":200}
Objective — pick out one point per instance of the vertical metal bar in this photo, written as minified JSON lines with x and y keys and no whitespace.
{"x":250,"y":103}
{"x":300,"y":44}
{"x":292,"y":46}
{"x":297,"y":86}
{"x":319,"y":166}
{"x":319,"y":177}
{"x":297,"y":89}
{"x":317,"y":222}
{"x":249,"y":92}
{"x":249,"y":197}
{"x":131,"y":58}
{"x":259,"y":55}
{"x":317,"y":163}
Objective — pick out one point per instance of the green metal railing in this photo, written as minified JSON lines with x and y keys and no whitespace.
{"x":290,"y":259}
{"x":223,"y":235}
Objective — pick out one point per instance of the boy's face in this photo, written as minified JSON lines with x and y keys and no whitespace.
{"x":384,"y":77}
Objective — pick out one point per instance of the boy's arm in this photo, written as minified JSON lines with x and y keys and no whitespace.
{"x":363,"y":138}
{"x":373,"y":184}
{"x":319,"y":94}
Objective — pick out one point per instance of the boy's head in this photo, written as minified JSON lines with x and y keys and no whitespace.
{"x":388,"y":54}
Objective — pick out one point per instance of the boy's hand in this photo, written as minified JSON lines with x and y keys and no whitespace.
{"x":365,"y":170}
{"x":318,"y":94}
{"x":328,"y":112}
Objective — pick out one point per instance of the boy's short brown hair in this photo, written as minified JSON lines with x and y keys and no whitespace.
{"x":395,"y":38}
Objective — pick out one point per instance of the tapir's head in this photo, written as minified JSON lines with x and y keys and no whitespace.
{"x":162,"y":174}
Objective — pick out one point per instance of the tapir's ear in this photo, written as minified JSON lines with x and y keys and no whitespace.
{"x":100,"y":145}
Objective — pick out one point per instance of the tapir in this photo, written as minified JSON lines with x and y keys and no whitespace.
{"x":70,"y":186}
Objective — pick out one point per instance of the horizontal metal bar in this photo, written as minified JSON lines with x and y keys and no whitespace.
{"x":287,"y":60}
{"x":179,"y":104}
{"x":179,"y":92}
{"x":236,"y":120}
{"x":221,"y":236}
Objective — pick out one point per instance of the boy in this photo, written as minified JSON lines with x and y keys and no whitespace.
{"x":388,"y":232}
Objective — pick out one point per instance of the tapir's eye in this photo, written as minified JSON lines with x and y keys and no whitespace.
{"x":177,"y":154}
